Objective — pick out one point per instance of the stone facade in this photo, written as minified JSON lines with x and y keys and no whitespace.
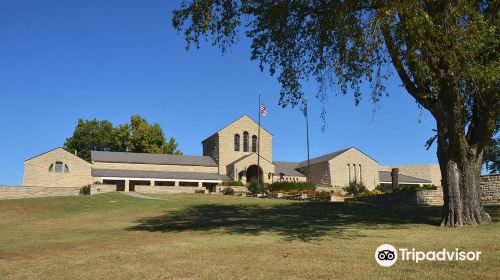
{"x":15,"y":192}
{"x":42,"y":170}
{"x":221,"y":147}
{"x":231,"y":154}
{"x":353,"y":165}
{"x":102,"y":188}
{"x":404,"y":198}
{"x":159,"y":189}
{"x":490,"y":189}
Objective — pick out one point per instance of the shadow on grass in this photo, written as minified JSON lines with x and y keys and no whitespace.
{"x":295,"y":221}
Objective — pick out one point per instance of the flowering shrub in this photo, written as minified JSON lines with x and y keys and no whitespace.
{"x":372,"y":192}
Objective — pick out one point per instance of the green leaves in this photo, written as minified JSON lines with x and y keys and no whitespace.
{"x":138,"y":136}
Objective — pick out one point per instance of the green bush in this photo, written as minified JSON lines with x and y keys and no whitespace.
{"x":355,"y":188}
{"x":415,"y":188}
{"x":228,"y":191}
{"x":369,"y":193}
{"x":85,"y":190}
{"x":255,"y":187}
{"x":290,"y":186}
{"x":232,"y":183}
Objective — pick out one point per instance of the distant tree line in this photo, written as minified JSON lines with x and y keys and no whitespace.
{"x":137,"y":136}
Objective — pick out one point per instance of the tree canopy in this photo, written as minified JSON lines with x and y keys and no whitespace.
{"x":138,"y":136}
{"x":444,"y":52}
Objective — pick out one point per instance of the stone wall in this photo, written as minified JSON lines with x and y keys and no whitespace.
{"x":102,"y":188}
{"x":490,"y":189}
{"x":225,"y":145}
{"x":404,"y":198}
{"x":17,"y":192}
{"x":166,"y":189}
{"x":490,"y":194}
{"x":38,"y":171}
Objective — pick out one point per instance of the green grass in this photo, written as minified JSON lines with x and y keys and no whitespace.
{"x":181,"y":236}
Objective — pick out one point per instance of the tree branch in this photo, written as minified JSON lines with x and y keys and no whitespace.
{"x":410,"y":86}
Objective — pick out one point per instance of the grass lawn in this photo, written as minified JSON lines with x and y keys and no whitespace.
{"x":181,"y":236}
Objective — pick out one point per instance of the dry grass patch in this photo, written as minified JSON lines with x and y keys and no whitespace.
{"x":180,"y":236}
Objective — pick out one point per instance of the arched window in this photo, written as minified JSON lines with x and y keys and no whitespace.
{"x":51,"y":168}
{"x":245,"y":141}
{"x":254,"y":143}
{"x":236,"y":142}
{"x":59,"y":167}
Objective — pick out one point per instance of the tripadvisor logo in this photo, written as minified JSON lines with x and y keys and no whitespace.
{"x":387,"y":255}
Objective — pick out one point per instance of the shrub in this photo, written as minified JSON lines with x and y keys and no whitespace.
{"x":85,"y":190}
{"x":255,"y":187}
{"x":232,"y":183}
{"x":355,"y":188}
{"x":199,"y":191}
{"x":290,"y":186}
{"x":415,"y":188}
{"x":228,"y":191}
{"x":372,"y":192}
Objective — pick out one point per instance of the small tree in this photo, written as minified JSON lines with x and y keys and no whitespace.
{"x":355,"y":188}
{"x":254,"y":187}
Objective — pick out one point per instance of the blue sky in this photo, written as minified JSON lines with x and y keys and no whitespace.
{"x":64,"y":60}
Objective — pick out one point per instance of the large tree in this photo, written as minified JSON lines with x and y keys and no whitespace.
{"x":138,"y":136}
{"x":90,"y":135}
{"x":444,"y":52}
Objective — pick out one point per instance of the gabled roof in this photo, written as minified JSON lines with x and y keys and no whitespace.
{"x":385,"y":176}
{"x":157,"y":174}
{"x":62,"y":149}
{"x":245,"y":156}
{"x":234,"y":122}
{"x":287,"y":168}
{"x":146,"y":158}
{"x":329,"y":156}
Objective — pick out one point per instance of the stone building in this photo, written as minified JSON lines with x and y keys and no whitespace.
{"x":230,"y":154}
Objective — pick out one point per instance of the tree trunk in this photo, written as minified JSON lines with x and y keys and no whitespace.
{"x":461,"y":180}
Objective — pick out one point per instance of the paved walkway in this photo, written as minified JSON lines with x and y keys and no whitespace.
{"x":138,"y":195}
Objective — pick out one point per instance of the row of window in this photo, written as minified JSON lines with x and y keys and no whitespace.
{"x":59,"y":167}
{"x":245,"y":142}
{"x":354,"y":173}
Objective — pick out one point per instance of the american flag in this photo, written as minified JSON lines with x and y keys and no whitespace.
{"x":263,"y":110}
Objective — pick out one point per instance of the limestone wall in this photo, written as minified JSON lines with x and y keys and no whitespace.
{"x":102,"y":188}
{"x":490,"y":189}
{"x":38,"y":171}
{"x":166,"y":189}
{"x":354,"y":165}
{"x":18,"y":192}
{"x":320,"y":174}
{"x":227,"y":154}
{"x":404,"y":198}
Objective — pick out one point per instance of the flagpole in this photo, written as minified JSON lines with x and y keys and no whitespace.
{"x":258,"y":147}
{"x":307,"y":132}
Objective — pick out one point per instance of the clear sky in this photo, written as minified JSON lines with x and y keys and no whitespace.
{"x":64,"y":60}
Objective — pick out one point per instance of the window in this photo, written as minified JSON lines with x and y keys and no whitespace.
{"x":254,"y":143}
{"x":245,"y":141}
{"x":236,"y":142}
{"x":66,"y":169}
{"x":59,"y":167}
{"x":51,"y":168}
